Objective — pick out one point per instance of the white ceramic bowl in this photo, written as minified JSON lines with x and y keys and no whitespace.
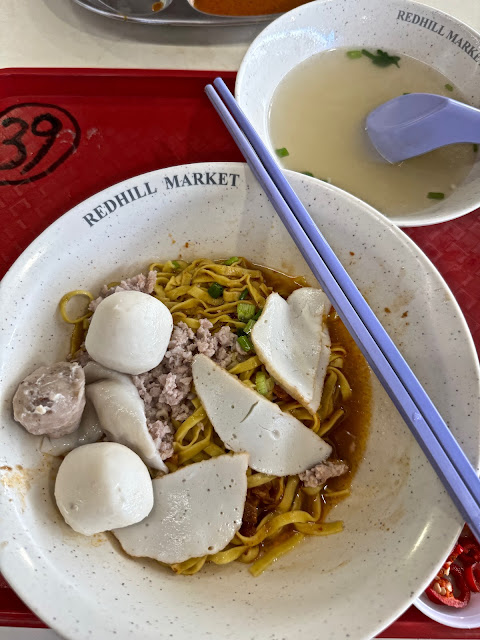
{"x":468,"y":618}
{"x":329,"y":24}
{"x":399,"y":523}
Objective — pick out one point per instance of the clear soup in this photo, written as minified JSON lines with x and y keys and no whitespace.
{"x":318,"y":115}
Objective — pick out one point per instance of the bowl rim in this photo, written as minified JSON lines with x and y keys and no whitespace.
{"x":310,"y":7}
{"x":448,"y":617}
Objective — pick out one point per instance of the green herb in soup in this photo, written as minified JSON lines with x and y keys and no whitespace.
{"x":282,"y":152}
{"x":318,"y":113}
{"x":435,"y":195}
{"x":381,"y":58}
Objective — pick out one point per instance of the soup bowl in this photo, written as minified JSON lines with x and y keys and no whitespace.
{"x":399,"y":524}
{"x":399,"y":26}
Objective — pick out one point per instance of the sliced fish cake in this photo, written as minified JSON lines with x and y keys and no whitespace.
{"x":278,"y":443}
{"x":292,"y":341}
{"x":197,"y":511}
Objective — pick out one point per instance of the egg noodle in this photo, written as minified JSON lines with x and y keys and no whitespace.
{"x":287,"y":511}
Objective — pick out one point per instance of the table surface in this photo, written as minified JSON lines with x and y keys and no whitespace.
{"x":59,"y":33}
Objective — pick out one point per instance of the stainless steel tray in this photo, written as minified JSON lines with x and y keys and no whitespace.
{"x":179,"y":13}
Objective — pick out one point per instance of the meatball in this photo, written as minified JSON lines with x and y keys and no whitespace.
{"x":50,"y":401}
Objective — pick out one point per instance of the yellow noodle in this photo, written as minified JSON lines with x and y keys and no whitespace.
{"x":214,"y":450}
{"x":66,"y":299}
{"x":247,"y":365}
{"x":345,"y":388}
{"x":180,"y":567}
{"x":197,"y":416}
{"x":288,"y":496}
{"x":296,"y":510}
{"x":192,"y":436}
{"x":76,"y":338}
{"x":311,"y":491}
{"x":322,"y":529}
{"x":328,"y":424}
{"x":194,"y":449}
{"x":227,"y":556}
{"x":257,"y":479}
{"x":232,"y":296}
{"x":274,"y":525}
{"x":189,"y":569}
{"x":337,"y":494}
{"x":326,"y":403}
{"x":249,"y":555}
{"x":316,"y":507}
{"x":259,"y":566}
{"x":297,"y":502}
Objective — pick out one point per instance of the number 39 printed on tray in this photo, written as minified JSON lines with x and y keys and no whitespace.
{"x":35,"y":139}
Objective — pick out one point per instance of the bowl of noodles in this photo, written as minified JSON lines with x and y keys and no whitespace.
{"x":244,"y":538}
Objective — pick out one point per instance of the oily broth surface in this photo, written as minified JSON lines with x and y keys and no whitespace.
{"x":318,"y":113}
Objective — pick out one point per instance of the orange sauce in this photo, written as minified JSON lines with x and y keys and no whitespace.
{"x":246,"y":7}
{"x":349,"y":437}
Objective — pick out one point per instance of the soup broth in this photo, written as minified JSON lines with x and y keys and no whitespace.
{"x":318,"y":116}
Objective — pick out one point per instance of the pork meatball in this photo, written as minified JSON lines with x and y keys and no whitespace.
{"x":50,"y":401}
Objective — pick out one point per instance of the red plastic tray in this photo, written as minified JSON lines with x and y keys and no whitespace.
{"x":67,"y":134}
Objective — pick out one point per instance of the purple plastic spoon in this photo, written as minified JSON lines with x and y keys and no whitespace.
{"x":415,"y":123}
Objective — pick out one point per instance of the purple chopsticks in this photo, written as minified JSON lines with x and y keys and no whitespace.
{"x":399,"y":381}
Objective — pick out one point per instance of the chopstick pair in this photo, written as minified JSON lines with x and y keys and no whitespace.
{"x":428,"y":427}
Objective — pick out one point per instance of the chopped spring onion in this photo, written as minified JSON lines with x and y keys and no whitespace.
{"x":381,"y":58}
{"x":307,"y":173}
{"x":245,"y":311}
{"x":263,"y":384}
{"x":244,"y":294}
{"x":215,"y":290}
{"x":257,"y":315}
{"x":176,"y":264}
{"x":435,"y":195}
{"x":406,"y":93}
{"x":231,"y":261}
{"x":475,"y":147}
{"x":248,"y":327}
{"x":448,"y":87}
{"x":353,"y":55}
{"x":245,"y":343}
{"x":282,"y":153}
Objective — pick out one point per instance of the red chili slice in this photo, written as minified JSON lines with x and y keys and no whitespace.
{"x":458,"y":549}
{"x":471,"y":550}
{"x":472,"y":576}
{"x":439,"y":585}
